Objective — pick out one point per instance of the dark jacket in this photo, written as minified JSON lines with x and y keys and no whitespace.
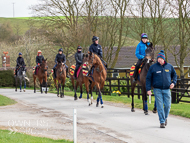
{"x":160,"y":76}
{"x":79,"y":58}
{"x":60,"y":57}
{"x":20,"y":61}
{"x":96,"y":48}
{"x":39,"y":59}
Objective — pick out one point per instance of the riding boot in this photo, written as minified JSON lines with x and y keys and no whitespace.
{"x":89,"y":72}
{"x":35,"y":71}
{"x":67,"y":73}
{"x":135,"y":75}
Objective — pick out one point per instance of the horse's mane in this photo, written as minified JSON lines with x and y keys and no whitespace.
{"x":98,"y":58}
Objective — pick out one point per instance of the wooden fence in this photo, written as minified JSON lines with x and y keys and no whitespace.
{"x":182,"y":88}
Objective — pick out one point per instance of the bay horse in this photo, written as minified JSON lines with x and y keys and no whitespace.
{"x":41,"y":75}
{"x":80,"y":80}
{"x":61,"y":78}
{"x":21,"y":75}
{"x":149,"y":60}
{"x":98,"y":77}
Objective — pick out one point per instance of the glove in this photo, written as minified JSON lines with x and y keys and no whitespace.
{"x":38,"y":64}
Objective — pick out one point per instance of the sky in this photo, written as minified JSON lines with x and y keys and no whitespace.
{"x":21,"y":8}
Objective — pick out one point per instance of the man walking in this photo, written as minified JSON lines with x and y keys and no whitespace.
{"x":162,"y":77}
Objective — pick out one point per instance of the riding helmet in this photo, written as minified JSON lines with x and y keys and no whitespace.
{"x":94,"y":38}
{"x":39,"y":51}
{"x":79,"y":47}
{"x":61,"y":50}
{"x":20,"y":54}
{"x":144,"y":35}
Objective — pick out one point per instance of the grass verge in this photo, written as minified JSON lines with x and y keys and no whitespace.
{"x":6,"y":101}
{"x":5,"y":137}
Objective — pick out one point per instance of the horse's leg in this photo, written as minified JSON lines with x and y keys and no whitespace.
{"x":155,"y":108}
{"x":20,"y":84}
{"x":132,"y":94}
{"x":91,"y":88}
{"x":86,"y":82}
{"x":80,"y":90}
{"x":41,"y":81}
{"x":24,"y":84}
{"x":34,"y":83}
{"x":16,"y":83}
{"x":98,"y":98}
{"x":76,"y":86}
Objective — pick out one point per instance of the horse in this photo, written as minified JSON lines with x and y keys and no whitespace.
{"x":61,"y":78}
{"x":21,"y":75}
{"x":98,"y":77}
{"x":80,"y":80}
{"x":149,"y":60}
{"x":41,"y":75}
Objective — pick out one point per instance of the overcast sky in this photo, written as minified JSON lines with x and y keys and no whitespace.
{"x":21,"y":8}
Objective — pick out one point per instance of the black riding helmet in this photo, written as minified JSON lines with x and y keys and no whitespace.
{"x":61,"y":50}
{"x":79,"y":47}
{"x":94,"y":38}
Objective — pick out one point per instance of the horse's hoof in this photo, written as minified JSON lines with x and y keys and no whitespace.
{"x":154,"y":111}
{"x":146,"y":112}
{"x":24,"y":90}
{"x":57,"y":95}
{"x":132,"y":110}
{"x":75,"y":98}
{"x":96,"y":105}
{"x":45,"y":92}
{"x":89,"y":104}
{"x":34,"y":91}
{"x":15,"y":90}
{"x":102,"y":106}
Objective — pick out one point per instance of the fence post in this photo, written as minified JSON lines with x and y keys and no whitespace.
{"x":110,"y":86}
{"x":118,"y":84}
{"x":75,"y":125}
{"x":128,"y":86}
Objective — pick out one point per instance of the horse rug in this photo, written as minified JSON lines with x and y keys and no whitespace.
{"x":133,"y":69}
{"x":83,"y":68}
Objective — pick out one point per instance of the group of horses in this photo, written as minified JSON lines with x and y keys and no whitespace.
{"x":98,"y":78}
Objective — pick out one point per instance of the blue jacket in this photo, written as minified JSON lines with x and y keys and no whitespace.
{"x":160,"y":76}
{"x":96,"y":48}
{"x":140,"y":50}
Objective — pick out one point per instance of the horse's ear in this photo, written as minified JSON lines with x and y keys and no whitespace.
{"x":90,"y":53}
{"x":86,"y":55}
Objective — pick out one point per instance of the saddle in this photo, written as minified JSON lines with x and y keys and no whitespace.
{"x":83,"y":68}
{"x":133,"y":69}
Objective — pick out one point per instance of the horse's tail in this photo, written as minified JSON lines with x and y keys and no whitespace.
{"x":27,"y":79}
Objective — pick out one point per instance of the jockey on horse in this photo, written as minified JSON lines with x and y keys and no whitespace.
{"x":20,"y":62}
{"x":79,"y":60}
{"x":96,"y":49}
{"x":39,"y":59}
{"x":60,"y":57}
{"x":140,"y":54}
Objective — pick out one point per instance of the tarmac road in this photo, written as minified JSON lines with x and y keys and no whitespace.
{"x":118,"y":122}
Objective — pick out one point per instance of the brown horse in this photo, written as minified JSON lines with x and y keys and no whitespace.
{"x":142,"y":78}
{"x":61,"y":78}
{"x":41,"y":75}
{"x":98,"y":77}
{"x":81,"y":79}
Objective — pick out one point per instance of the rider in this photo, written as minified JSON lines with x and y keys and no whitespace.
{"x":39,"y":59}
{"x":60,"y":57}
{"x":140,"y":54}
{"x":97,"y":49}
{"x":79,"y":59}
{"x":20,"y":62}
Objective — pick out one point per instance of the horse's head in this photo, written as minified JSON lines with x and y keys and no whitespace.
{"x":44,"y":65}
{"x":90,"y":59}
{"x":149,"y":53}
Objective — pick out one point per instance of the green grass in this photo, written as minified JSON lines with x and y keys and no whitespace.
{"x":6,"y":101}
{"x":179,"y":109}
{"x":5,"y":137}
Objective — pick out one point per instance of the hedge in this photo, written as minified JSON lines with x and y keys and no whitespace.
{"x":7,"y":78}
